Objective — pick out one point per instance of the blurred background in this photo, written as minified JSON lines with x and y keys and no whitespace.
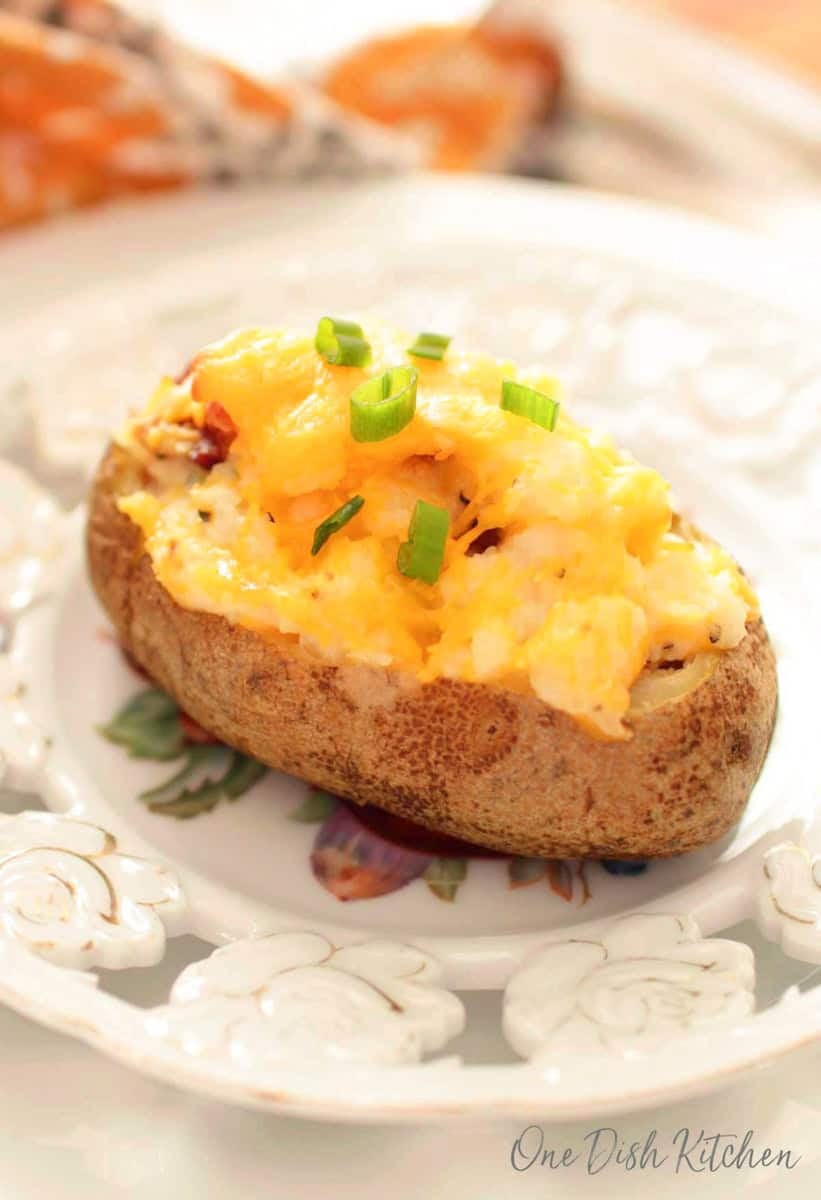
{"x":713,"y":105}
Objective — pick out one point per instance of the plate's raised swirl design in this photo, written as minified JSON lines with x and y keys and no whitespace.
{"x":647,"y":978}
{"x":294,"y":995}
{"x":789,"y":900}
{"x":32,"y":543}
{"x":68,"y":893}
{"x":36,"y":537}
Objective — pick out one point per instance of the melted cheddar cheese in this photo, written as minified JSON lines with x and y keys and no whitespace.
{"x":583,"y":581}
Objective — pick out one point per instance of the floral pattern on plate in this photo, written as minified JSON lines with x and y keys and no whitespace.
{"x":152,"y":725}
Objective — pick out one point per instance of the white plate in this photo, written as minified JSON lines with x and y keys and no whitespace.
{"x":698,"y":348}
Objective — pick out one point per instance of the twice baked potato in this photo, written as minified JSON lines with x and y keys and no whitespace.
{"x":409,"y":577}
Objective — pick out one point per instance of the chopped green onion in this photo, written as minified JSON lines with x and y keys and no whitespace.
{"x":335,"y":521}
{"x":430,"y":345}
{"x":527,"y":402}
{"x":422,"y":555}
{"x":383,"y":406}
{"x":342,"y":343}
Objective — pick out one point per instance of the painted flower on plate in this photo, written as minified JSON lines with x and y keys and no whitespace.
{"x":151,"y":725}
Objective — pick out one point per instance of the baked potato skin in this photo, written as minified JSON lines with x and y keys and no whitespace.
{"x":493,"y":767}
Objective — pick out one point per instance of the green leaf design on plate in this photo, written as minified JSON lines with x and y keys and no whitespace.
{"x":524,"y":871}
{"x":198,"y":758}
{"x":242,"y":774}
{"x":148,"y":727}
{"x":190,"y":802}
{"x":444,"y":875}
{"x":222,"y":773}
{"x":316,"y":807}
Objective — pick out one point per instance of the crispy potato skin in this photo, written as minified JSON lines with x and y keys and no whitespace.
{"x":493,"y":767}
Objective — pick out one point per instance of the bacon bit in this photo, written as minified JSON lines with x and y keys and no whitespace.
{"x":486,"y":540}
{"x":218,"y":432}
{"x":194,"y":732}
{"x":205,"y":453}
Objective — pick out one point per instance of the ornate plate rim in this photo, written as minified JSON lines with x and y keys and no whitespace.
{"x":690,"y":1066}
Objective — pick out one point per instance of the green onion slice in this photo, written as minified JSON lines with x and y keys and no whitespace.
{"x":342,"y":343}
{"x":525,"y":401}
{"x":430,"y":345}
{"x":383,"y":406}
{"x":335,"y":521}
{"x":422,"y":555}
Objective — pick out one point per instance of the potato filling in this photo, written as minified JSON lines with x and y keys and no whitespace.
{"x":564,"y":572}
